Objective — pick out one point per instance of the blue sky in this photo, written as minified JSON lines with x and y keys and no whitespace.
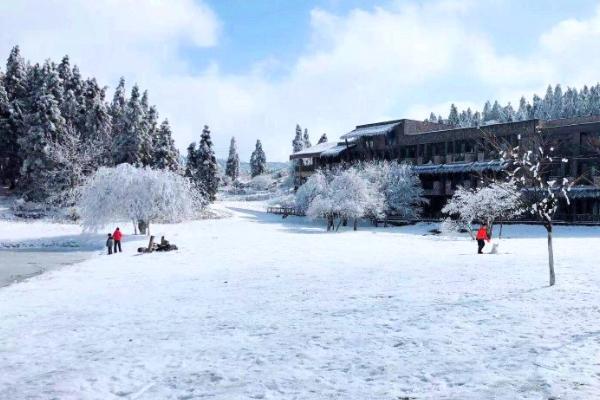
{"x":254,"y":69}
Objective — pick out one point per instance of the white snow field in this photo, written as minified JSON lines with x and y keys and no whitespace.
{"x":256,"y":307}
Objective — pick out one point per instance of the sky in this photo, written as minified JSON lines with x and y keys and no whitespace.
{"x":254,"y":69}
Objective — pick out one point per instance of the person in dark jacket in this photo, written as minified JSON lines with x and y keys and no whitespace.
{"x":117,"y":235}
{"x":109,"y":244}
{"x":482,"y":236}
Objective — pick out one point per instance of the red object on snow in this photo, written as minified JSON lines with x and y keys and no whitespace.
{"x":117,"y":235}
{"x":482,"y":234}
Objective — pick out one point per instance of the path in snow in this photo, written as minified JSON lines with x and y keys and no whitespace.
{"x":259,"y":307}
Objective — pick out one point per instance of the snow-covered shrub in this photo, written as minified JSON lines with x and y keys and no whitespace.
{"x":316,"y":184}
{"x":499,"y":200}
{"x":261,"y":182}
{"x":138,"y":194}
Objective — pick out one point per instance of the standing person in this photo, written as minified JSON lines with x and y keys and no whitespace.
{"x":117,"y":235}
{"x":109,"y":244}
{"x":482,"y":236}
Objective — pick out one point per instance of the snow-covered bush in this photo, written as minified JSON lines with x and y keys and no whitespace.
{"x":499,"y":200}
{"x":261,"y":182}
{"x":316,"y":184}
{"x":138,"y":194}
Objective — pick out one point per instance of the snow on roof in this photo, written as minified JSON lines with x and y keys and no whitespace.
{"x":372,"y":129}
{"x":335,"y":151}
{"x":477,"y":166}
{"x":313,"y":150}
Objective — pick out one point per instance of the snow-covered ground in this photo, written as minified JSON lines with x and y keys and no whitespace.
{"x":254,"y":306}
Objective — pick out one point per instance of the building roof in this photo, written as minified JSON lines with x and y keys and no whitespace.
{"x":313,"y":151}
{"x":477,"y":166}
{"x":379,"y":128}
{"x":337,"y":150}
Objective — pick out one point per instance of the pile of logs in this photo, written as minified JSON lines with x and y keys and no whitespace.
{"x":164,"y":245}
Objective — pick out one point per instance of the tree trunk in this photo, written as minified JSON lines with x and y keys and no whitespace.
{"x":338,"y":225}
{"x":500,"y":234}
{"x":355,"y":224}
{"x":143,"y":226}
{"x":135,"y":230}
{"x":550,"y":255}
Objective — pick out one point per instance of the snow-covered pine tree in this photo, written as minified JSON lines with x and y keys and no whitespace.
{"x":523,"y":111}
{"x":548,"y":104}
{"x":15,"y":79}
{"x":453,"y":118}
{"x":508,"y":113}
{"x":44,"y":125}
{"x":164,"y":153}
{"x":96,"y":128}
{"x":569,"y":103}
{"x":298,"y":142}
{"x":258,"y":160}
{"x":130,"y":144}
{"x":583,"y":106}
{"x":208,"y":178}
{"x":537,"y":109}
{"x":486,"y":114}
{"x":306,"y":139}
{"x":497,"y":113}
{"x":557,"y":102}
{"x":232,"y":167}
{"x":191,"y":162}
{"x":117,"y":117}
{"x":9,"y":134}
{"x":151,"y":118}
{"x":432,"y":118}
{"x":594,"y":100}
{"x":476,"y":119}
{"x":323,"y":138}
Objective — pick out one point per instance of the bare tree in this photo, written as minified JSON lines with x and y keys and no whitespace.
{"x":531,"y":164}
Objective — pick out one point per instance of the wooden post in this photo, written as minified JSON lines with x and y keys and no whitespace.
{"x":150,"y":244}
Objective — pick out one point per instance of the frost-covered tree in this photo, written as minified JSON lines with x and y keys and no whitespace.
{"x":258,"y":160}
{"x":164,"y":153}
{"x":529,"y":167}
{"x":141,"y":195}
{"x":487,"y":204}
{"x":191,"y":162}
{"x":400,"y":186}
{"x":232,"y":167}
{"x":9,"y":135}
{"x":298,"y":142}
{"x":306,"y":139}
{"x":453,"y":118}
{"x":316,"y":184}
{"x":131,"y":144}
{"x":207,"y":173}
{"x":323,"y":138}
{"x":523,"y":113}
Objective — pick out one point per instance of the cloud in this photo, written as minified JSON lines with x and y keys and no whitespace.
{"x":405,"y":59}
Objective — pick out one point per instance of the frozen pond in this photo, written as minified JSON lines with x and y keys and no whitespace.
{"x":16,"y":265}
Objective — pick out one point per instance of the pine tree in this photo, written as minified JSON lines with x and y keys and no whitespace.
{"x":569,"y":103}
{"x":523,"y":111}
{"x":537,"y":107}
{"x":9,"y":134}
{"x":117,"y":117}
{"x":38,"y":180}
{"x":557,"y":102}
{"x":164,"y":153}
{"x":323,"y":138}
{"x":508,"y":113}
{"x":298,"y":142}
{"x":496,"y":114}
{"x":191,"y":162}
{"x":232,"y":168}
{"x":432,"y":118}
{"x":15,"y":77}
{"x":486,"y":115}
{"x":453,"y":116}
{"x":207,"y":166}
{"x":306,"y":140}
{"x":258,"y":160}
{"x":583,"y":103}
{"x":476,"y":119}
{"x":594,"y":100}
{"x":548,"y":104}
{"x":130,"y":146}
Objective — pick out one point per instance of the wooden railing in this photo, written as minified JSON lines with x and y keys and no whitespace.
{"x":285,"y":211}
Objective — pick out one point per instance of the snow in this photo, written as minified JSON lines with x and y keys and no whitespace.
{"x":255,"y":306}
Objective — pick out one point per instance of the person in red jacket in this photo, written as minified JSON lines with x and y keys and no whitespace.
{"x":117,"y":235}
{"x":482,"y":236}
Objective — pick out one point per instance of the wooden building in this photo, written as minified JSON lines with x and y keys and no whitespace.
{"x":447,"y":157}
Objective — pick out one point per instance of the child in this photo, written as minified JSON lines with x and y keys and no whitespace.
{"x":109,"y":244}
{"x":482,"y":236}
